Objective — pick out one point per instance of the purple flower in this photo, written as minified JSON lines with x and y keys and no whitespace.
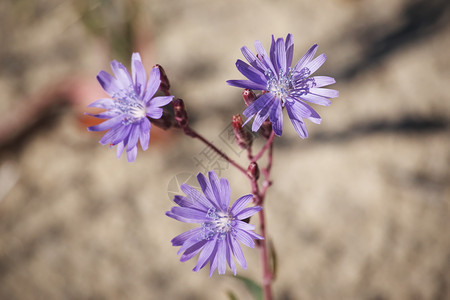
{"x":283,"y":86}
{"x":221,"y":227}
{"x":132,"y":102}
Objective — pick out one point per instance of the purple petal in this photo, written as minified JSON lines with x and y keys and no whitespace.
{"x":248,"y":228}
{"x":205,"y":255}
{"x":248,"y":212}
{"x":112,"y":135}
{"x":144,"y":137}
{"x":299,"y":109}
{"x":289,"y":49}
{"x":153,"y":84}
{"x":104,"y":115}
{"x":237,"y":251}
{"x":316,"y":99}
{"x":259,"y":104}
{"x":154,"y":112}
{"x":323,"y":81}
{"x":302,"y":110}
{"x":183,"y":201}
{"x":108,"y":83}
{"x":252,"y":59}
{"x":131,"y":153}
{"x":122,"y":75}
{"x":229,"y":255}
{"x":187,"y":214}
{"x":245,"y":226}
{"x":225,"y":189}
{"x":121,"y":135}
{"x":262,"y":115}
{"x":206,"y":188}
{"x":120,"y":148}
{"x":107,"y":124}
{"x":240,"y":204}
{"x":160,"y":101}
{"x":273,"y":57}
{"x":180,"y":239}
{"x":192,"y":242}
{"x":298,"y":124}
{"x":138,"y":73}
{"x":316,"y":63}
{"x":134,"y":136}
{"x":221,"y":257}
{"x":306,"y":58}
{"x":105,"y":103}
{"x":197,"y":199}
{"x":280,"y":54}
{"x":251,"y":73}
{"x":276,"y":117}
{"x":215,"y":187}
{"x":263,"y":56}
{"x":243,"y":237}
{"x":193,"y":249}
{"x":215,"y":259}
{"x":247,"y":84}
{"x":328,"y":93}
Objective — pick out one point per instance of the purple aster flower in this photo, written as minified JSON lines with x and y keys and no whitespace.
{"x":132,"y":102}
{"x":283,"y":85}
{"x":220,"y":228}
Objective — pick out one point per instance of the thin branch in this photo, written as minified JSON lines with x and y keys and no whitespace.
{"x":192,"y":133}
{"x":266,"y":146}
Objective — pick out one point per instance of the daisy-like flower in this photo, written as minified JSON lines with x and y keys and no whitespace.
{"x":220,"y":228}
{"x":132,"y":102}
{"x":283,"y":85}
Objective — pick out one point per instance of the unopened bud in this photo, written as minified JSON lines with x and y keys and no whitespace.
{"x":249,"y":96}
{"x":165,"y":122}
{"x":180,"y":113}
{"x":253,"y":170}
{"x":243,"y":138}
{"x":165,"y":84}
{"x":266,"y":128}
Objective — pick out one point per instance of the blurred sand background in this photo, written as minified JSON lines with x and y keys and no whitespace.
{"x":360,"y":210}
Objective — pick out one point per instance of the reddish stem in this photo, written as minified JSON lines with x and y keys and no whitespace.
{"x":266,"y":146}
{"x":192,"y":133}
{"x":267,"y":272}
{"x":259,"y":200}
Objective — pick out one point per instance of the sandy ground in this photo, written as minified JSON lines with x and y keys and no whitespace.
{"x":360,"y":210}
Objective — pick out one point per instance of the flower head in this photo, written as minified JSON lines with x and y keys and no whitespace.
{"x":220,"y":228}
{"x":132,"y":102}
{"x":283,"y":85}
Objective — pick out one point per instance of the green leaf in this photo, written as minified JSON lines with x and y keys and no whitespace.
{"x":254,"y":288}
{"x":273,"y":259}
{"x":231,"y":295}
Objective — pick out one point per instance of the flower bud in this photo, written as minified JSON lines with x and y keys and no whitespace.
{"x":266,"y":128}
{"x":249,"y":96}
{"x":165,"y":122}
{"x":165,"y":84}
{"x":243,"y":138}
{"x":180,"y":113}
{"x":253,"y":170}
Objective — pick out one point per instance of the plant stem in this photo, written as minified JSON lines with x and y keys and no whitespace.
{"x":192,"y":133}
{"x":267,"y":273}
{"x":259,"y":200}
{"x":266,"y":146}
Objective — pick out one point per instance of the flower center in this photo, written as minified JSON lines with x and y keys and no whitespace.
{"x":220,"y":224}
{"x":130,"y":105}
{"x":302,"y":82}
{"x":280,"y":85}
{"x":289,"y":85}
